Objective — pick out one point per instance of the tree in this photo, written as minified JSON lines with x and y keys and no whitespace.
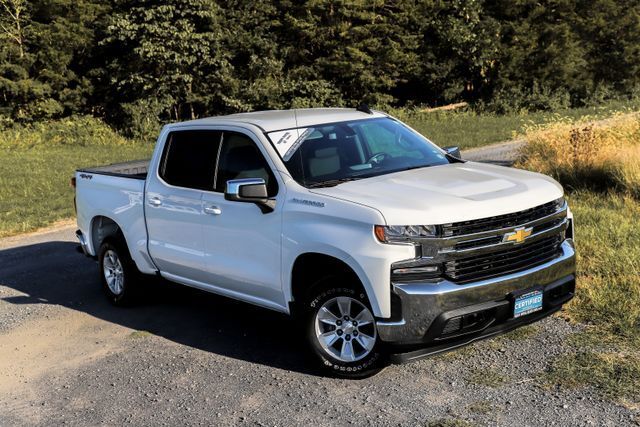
{"x":39,"y":67}
{"x":542,"y":59}
{"x":610,"y":32}
{"x":167,"y":51}
{"x":13,"y":21}
{"x":359,"y":51}
{"x":457,"y":51}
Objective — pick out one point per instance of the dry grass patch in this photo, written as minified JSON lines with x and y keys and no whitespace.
{"x":585,"y":154}
{"x":487,"y":377}
{"x":600,"y":163}
{"x":615,"y":374}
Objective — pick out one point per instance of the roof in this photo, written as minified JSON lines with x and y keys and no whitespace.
{"x":272,"y":120}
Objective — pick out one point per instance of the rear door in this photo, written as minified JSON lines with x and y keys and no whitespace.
{"x":242,"y":244}
{"x":173,"y":202}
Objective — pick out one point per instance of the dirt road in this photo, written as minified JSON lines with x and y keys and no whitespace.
{"x":190,"y":358}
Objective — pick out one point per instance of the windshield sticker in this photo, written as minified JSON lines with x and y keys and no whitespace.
{"x":304,"y":133}
{"x":288,"y":141}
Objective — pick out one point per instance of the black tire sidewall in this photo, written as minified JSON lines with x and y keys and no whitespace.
{"x":365,"y":367}
{"x":128,"y":268}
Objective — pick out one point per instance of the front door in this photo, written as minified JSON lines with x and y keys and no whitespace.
{"x":242,"y":244}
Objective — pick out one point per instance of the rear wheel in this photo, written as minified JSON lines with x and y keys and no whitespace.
{"x":118,"y":272}
{"x":342,"y":332}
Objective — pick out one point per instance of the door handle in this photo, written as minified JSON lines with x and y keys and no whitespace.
{"x":212,"y":210}
{"x":154,"y":201}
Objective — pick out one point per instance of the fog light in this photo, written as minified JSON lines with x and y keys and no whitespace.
{"x":417,"y":270}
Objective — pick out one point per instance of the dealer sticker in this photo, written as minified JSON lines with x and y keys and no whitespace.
{"x":527,"y":304}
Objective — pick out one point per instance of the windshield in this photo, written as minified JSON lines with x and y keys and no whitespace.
{"x":329,"y":154}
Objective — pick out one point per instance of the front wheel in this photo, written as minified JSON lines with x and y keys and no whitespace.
{"x":342,"y":333}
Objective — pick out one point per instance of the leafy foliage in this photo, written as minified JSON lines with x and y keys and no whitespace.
{"x":139,"y":63}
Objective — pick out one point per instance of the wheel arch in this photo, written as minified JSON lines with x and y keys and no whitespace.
{"x":102,"y":228}
{"x":309,"y":267}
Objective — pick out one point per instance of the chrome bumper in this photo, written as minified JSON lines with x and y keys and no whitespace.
{"x":422,"y":303}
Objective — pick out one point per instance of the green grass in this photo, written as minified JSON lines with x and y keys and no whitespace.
{"x":599,"y":165}
{"x":487,"y":377}
{"x":468,"y":129}
{"x":483,"y":407}
{"x":140,"y":334}
{"x":608,"y":250}
{"x":37,"y":163}
{"x":523,"y":333}
{"x":616,"y":374}
{"x":607,"y":355}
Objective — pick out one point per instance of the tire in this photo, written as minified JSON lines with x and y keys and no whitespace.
{"x":118,"y":273}
{"x":341,"y":331}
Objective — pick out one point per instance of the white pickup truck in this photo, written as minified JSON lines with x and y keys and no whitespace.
{"x":381,"y":244}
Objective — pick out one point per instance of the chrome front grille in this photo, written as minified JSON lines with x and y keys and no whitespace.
{"x":502,"y":262}
{"x":490,"y":252}
{"x":486,"y":253}
{"x":500,"y":221}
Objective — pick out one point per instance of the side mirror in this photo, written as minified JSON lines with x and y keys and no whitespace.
{"x":453,"y":151}
{"x":249,"y":190}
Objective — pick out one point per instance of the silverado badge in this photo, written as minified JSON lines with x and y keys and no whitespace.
{"x":518,"y":235}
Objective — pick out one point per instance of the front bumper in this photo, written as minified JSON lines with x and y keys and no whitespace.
{"x":423,"y":310}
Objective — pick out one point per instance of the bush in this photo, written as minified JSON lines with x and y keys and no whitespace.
{"x":516,"y":99}
{"x":77,"y":131}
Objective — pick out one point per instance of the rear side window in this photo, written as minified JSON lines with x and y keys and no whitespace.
{"x":189,"y":158}
{"x":241,"y":158}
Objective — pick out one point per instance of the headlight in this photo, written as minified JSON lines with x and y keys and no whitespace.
{"x":559,"y":203}
{"x":403,"y":233}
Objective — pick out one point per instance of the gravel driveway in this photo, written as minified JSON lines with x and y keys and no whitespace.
{"x":190,"y":358}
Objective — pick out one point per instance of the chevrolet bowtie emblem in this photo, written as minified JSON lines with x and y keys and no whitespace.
{"x":519,"y":235}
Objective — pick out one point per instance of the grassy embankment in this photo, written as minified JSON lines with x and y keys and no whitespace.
{"x":468,"y":129}
{"x":600,"y":165}
{"x":37,"y":161}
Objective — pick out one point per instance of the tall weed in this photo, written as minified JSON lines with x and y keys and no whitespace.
{"x":586,"y":154}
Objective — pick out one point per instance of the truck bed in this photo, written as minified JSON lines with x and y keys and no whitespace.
{"x":115,"y":192}
{"x":136,"y":169}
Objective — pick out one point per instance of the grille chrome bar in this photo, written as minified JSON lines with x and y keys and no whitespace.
{"x":486,"y":254}
{"x":501,"y":221}
{"x":504,"y":262}
{"x":494,"y":247}
{"x":452,"y":241}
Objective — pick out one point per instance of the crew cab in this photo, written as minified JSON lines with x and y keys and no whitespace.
{"x":388,"y":247}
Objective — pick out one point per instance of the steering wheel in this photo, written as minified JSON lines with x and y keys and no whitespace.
{"x":377,"y":158}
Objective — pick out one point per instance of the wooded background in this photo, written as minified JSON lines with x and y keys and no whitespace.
{"x":137,"y":63}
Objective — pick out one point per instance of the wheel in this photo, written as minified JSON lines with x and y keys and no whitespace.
{"x":342,"y":333}
{"x":118,"y":272}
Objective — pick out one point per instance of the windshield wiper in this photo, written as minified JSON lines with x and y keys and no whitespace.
{"x":332,"y":182}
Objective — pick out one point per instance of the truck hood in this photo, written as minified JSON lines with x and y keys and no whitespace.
{"x":448,"y":193}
